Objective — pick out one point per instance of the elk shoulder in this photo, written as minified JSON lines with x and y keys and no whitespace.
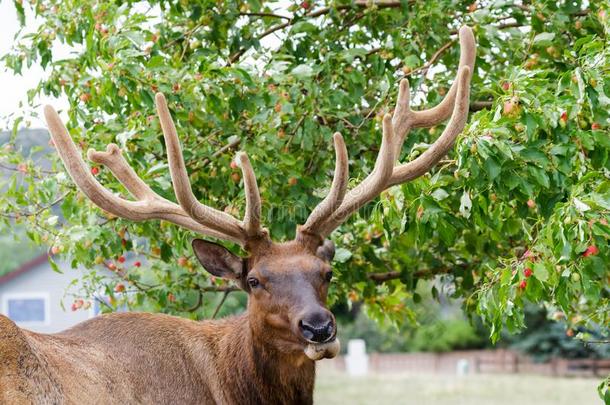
{"x":25,"y":376}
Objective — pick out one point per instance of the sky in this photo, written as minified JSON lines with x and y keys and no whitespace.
{"x":14,"y":87}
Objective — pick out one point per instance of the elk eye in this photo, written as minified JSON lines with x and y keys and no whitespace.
{"x":253,"y":282}
{"x":328,"y":276}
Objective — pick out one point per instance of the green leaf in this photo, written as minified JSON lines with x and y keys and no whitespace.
{"x":544,"y":39}
{"x":54,"y":265}
{"x":342,"y":255}
{"x":541,"y":272}
{"x":302,"y":71}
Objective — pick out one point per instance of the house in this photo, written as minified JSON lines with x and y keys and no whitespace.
{"x":32,"y":295}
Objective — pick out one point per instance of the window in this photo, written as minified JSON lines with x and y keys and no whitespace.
{"x":27,"y":308}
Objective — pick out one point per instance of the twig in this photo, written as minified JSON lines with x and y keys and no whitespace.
{"x":220,"y":151}
{"x":265,"y":15}
{"x":325,"y":10}
{"x":480,"y":105}
{"x":220,"y":288}
{"x":433,"y":59}
{"x":222,"y":301}
{"x":394,"y":274}
{"x":15,"y":169}
{"x":35,"y":213}
{"x":198,"y":304}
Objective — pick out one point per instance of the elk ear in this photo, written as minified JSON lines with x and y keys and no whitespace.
{"x":326,"y":251}
{"x":217,"y":260}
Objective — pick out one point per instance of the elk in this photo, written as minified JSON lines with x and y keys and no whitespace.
{"x":265,"y":355}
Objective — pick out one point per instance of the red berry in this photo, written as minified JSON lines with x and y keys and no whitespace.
{"x":182,"y":261}
{"x":531,"y":203}
{"x":595,"y":126}
{"x":527,"y":272}
{"x":505,"y":86}
{"x":522,"y":284}
{"x":137,"y":264}
{"x":121,"y":259}
{"x":564,"y":116}
{"x":119,"y":288}
{"x":591,"y":251}
{"x":74,"y":307}
{"x":95,"y":171}
{"x":111,"y":266}
{"x":123,"y":242}
{"x":305,"y":5}
{"x":233,"y":164}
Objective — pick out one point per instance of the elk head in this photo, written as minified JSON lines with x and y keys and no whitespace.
{"x":287,"y":282}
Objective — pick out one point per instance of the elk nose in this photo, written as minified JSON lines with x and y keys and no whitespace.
{"x":317,"y":332}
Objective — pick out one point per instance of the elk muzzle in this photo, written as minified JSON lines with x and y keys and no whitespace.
{"x":319,"y":330}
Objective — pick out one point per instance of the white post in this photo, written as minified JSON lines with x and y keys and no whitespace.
{"x":462,"y":367}
{"x":356,"y":361}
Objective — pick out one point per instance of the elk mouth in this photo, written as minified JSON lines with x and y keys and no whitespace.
{"x":325,"y":350}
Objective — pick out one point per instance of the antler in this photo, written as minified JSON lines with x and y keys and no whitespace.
{"x":324,"y":218}
{"x":190,"y":214}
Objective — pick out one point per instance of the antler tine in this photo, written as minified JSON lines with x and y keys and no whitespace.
{"x":384,"y":174}
{"x":404,"y":119}
{"x":114,"y":160}
{"x":150,"y":204}
{"x":252,"y":217}
{"x":442,"y":111}
{"x":370,"y":187}
{"x":201,"y":213}
{"x":441,"y":146}
{"x":337,"y":189}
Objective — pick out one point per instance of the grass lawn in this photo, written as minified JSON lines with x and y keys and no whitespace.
{"x":338,"y":388}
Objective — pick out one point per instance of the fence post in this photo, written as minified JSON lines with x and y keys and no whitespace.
{"x":554,"y":367}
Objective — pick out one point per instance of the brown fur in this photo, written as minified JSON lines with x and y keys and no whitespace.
{"x":254,"y":358}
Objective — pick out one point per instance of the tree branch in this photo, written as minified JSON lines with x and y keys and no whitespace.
{"x":393,"y":275}
{"x":222,"y":301}
{"x":433,"y":59}
{"x":222,"y":150}
{"x":198,"y":304}
{"x":15,"y":215}
{"x":220,"y":288}
{"x":317,"y":13}
{"x":265,"y":15}
{"x":480,"y":105}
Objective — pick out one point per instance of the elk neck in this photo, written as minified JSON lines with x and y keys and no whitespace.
{"x":259,"y":367}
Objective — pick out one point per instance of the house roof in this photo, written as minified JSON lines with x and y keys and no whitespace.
{"x":24,"y":268}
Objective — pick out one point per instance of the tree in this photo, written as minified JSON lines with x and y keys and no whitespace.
{"x":517,"y":212}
